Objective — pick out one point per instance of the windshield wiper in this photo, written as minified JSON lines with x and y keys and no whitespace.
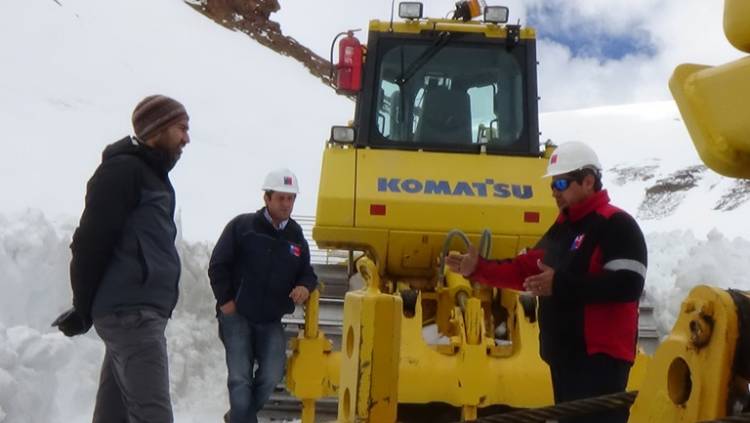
{"x":441,"y":41}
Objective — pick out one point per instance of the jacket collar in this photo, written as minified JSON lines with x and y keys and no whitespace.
{"x":156,"y":159}
{"x":269,"y":219}
{"x":579,"y":211}
{"x":261,"y":218}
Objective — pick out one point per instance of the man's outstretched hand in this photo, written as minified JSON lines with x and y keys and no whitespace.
{"x":541,"y":283}
{"x":464,"y":264}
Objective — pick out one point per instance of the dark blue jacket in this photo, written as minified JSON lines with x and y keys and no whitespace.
{"x":124,"y":254}
{"x":257,"y":266}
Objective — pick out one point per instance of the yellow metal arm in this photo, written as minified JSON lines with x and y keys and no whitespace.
{"x":713,"y":101}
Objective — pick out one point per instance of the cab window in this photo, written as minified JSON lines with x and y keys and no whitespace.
{"x":458,"y":94}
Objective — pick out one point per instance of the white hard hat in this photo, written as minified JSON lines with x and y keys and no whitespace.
{"x":281,"y":180}
{"x":570,"y":156}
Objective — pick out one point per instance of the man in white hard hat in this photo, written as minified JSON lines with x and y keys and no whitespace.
{"x":259,"y":269}
{"x":588,"y":271}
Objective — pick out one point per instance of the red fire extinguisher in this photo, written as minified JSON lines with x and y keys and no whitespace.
{"x":349,"y":66}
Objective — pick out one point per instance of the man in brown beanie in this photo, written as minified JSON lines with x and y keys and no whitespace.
{"x":125,"y":268}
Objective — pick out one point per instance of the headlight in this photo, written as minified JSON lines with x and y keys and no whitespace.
{"x":496,"y":14}
{"x":342,"y":134}
{"x":410,"y":10}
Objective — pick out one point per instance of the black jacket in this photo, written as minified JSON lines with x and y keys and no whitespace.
{"x":600,"y":258}
{"x":257,"y":266}
{"x":124,"y":256}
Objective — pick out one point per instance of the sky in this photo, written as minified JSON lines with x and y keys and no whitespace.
{"x":72,"y":70}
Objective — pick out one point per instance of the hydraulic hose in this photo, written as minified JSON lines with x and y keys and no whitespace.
{"x":485,"y":243}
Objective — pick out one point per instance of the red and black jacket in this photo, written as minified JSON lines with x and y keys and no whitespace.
{"x":599,"y":256}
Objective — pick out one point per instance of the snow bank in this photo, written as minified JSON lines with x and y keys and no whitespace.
{"x":48,"y":378}
{"x":45,"y":377}
{"x":678,"y":262}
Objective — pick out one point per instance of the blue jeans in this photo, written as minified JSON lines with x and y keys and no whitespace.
{"x":247,"y":343}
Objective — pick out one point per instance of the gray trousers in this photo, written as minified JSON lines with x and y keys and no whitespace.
{"x":134,"y":383}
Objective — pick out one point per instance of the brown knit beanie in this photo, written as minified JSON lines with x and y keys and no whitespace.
{"x":154,"y":113}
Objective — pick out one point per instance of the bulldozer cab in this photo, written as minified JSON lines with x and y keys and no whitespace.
{"x":446,"y":120}
{"x":449,"y":91}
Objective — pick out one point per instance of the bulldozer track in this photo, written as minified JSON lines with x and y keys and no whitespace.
{"x":566,"y":409}
{"x":584,"y":407}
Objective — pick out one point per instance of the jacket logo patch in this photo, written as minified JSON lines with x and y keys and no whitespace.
{"x":295,"y":250}
{"x":577,"y":242}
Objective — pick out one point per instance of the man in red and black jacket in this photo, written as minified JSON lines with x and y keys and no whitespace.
{"x":588,"y":271}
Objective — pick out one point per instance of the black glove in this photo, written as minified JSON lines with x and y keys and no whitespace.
{"x":72,"y":323}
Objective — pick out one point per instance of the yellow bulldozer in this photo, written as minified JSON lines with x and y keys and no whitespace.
{"x":445,"y":137}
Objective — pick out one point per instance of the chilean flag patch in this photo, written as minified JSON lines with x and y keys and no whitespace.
{"x":287,"y":180}
{"x":295,"y":250}
{"x":577,"y":242}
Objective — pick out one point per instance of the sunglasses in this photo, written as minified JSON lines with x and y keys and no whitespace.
{"x":561,"y":184}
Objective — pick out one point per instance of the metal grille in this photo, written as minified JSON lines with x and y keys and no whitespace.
{"x":318,"y":255}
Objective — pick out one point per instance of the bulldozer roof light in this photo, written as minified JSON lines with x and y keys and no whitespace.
{"x":342,"y":134}
{"x":496,"y":14}
{"x":410,"y":10}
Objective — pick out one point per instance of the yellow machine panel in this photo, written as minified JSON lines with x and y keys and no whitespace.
{"x":431,"y":191}
{"x":406,"y":201}
{"x":336,"y":196}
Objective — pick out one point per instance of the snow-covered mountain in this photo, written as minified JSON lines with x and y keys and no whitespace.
{"x":73,"y":70}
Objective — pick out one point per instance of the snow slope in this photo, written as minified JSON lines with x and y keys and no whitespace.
{"x":70,"y":76}
{"x":73,"y":74}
